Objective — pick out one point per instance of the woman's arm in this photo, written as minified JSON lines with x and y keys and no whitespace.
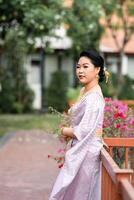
{"x":67,"y":132}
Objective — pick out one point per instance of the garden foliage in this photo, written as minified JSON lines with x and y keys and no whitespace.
{"x":127,"y":91}
{"x":15,"y":94}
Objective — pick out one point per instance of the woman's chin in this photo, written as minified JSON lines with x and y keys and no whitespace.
{"x":83,"y":82}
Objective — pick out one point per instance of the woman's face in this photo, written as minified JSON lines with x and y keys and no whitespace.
{"x":85,"y":70}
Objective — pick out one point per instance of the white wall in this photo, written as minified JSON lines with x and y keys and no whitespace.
{"x":131,"y":67}
{"x":33,"y":78}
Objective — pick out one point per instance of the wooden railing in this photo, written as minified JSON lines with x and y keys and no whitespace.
{"x":120,"y":142}
{"x":116,"y":182}
{"x":128,"y":102}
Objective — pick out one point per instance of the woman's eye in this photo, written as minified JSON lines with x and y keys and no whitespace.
{"x":77,"y":66}
{"x":85,"y":66}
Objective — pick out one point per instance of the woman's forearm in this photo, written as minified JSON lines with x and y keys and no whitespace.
{"x":68,"y":132}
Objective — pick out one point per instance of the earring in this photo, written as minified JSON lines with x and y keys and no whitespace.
{"x":97,"y":76}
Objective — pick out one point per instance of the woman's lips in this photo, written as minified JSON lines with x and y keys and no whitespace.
{"x":81,"y":76}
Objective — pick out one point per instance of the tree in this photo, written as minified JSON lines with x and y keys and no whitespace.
{"x":15,"y":94}
{"x":119,"y":19}
{"x":30,"y":19}
{"x":34,"y":17}
{"x":83,"y":25}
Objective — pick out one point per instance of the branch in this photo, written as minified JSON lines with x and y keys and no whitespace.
{"x":108,"y":20}
{"x":128,"y":31}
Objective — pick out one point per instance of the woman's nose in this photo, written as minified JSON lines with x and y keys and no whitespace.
{"x":80,"y":70}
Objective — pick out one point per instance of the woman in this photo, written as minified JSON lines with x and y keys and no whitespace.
{"x":79,"y":179}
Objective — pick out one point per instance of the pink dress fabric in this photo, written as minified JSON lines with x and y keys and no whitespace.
{"x":80,"y":177}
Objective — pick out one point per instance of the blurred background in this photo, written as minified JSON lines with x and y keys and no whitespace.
{"x":40,"y":41}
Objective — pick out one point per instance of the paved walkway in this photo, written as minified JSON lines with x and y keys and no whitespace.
{"x":25,"y":171}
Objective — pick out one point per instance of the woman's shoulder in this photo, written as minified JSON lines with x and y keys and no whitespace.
{"x":95,"y":98}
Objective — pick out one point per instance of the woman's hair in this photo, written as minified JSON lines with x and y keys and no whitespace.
{"x":97,"y":61}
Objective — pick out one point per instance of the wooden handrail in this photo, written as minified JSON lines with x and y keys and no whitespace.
{"x":112,"y":168}
{"x":120,"y":142}
{"x":113,"y":184}
{"x":128,"y":102}
{"x":127,"y":190}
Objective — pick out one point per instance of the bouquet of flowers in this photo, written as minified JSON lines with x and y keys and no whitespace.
{"x":64,"y":121}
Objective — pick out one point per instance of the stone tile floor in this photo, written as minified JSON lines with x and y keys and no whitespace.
{"x":26,"y":173}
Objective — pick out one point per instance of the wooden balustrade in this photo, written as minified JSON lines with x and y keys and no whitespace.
{"x":127,"y":190}
{"x":128,"y":102}
{"x":116,"y":182}
{"x":120,"y":142}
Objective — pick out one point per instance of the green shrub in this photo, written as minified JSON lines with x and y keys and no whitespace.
{"x":73,"y":93}
{"x":127,"y":91}
{"x":56,"y":92}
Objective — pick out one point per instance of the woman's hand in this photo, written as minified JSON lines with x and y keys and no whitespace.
{"x":67,"y":132}
{"x":64,"y":134}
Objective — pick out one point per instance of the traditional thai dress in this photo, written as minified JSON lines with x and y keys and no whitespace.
{"x":80,"y":177}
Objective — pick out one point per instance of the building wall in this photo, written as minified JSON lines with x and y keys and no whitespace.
{"x":33,"y":78}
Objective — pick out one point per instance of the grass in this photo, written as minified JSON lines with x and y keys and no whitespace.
{"x":10,"y":123}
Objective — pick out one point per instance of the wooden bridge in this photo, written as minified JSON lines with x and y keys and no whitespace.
{"x":117,"y":184}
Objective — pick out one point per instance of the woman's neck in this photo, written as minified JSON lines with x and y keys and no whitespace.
{"x":90,"y":86}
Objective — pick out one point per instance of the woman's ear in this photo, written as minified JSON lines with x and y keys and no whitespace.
{"x":97,"y":70}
